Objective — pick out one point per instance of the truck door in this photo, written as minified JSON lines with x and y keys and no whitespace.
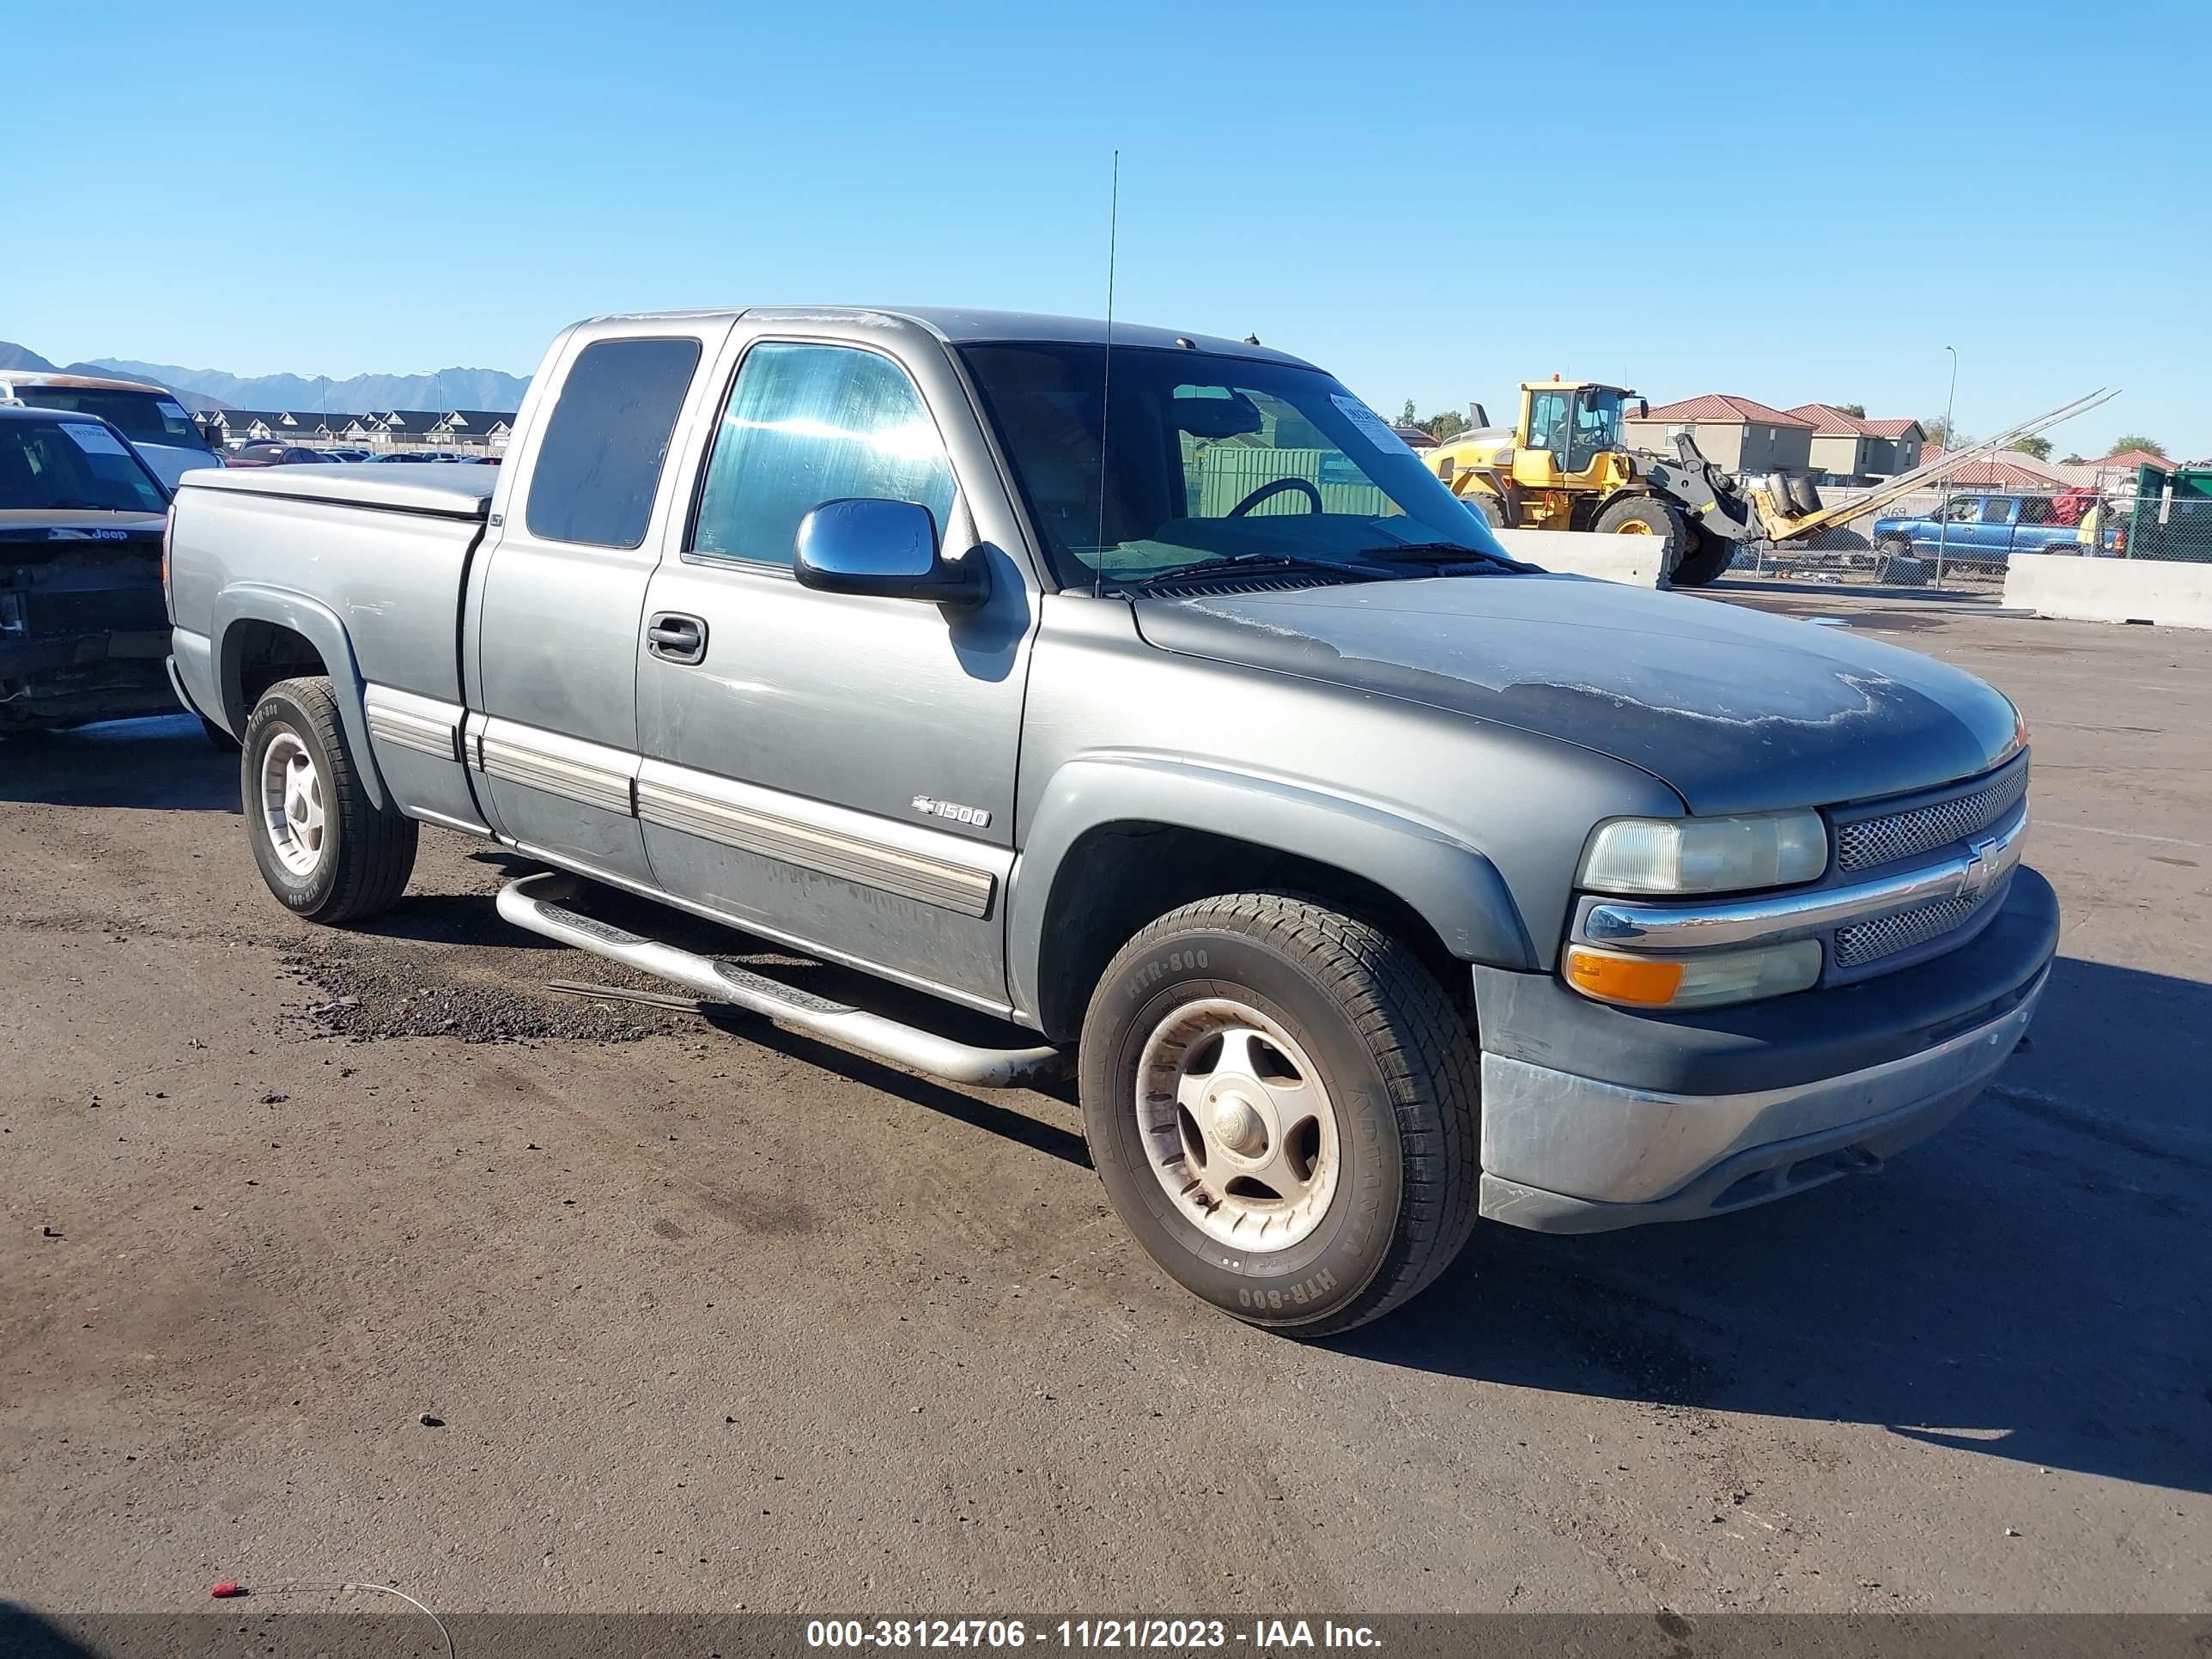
{"x":1949,"y":526}
{"x":556,"y":609}
{"x":837,"y":771}
{"x":1991,"y":534}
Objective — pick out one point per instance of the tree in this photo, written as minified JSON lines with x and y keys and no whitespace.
{"x":1857,"y":411}
{"x":2073,"y":460}
{"x":1941,"y":434}
{"x":1447,"y":426}
{"x":1405,"y":415}
{"x":2032,"y":444}
{"x":2128,"y":440}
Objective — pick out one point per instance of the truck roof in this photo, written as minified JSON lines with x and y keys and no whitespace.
{"x":59,"y":381}
{"x":965,"y":325}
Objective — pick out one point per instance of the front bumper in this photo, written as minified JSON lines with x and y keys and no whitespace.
{"x":1780,"y":1096}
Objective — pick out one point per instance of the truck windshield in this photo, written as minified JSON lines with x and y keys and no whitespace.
{"x":1207,"y":459}
{"x":65,"y":465}
{"x":144,"y":418}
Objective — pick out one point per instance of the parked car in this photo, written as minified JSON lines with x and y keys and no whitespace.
{"x":347,"y":454}
{"x":161,"y":429}
{"x":271,"y":452}
{"x":1983,"y":529}
{"x":84,"y":633}
{"x":1368,"y":879}
{"x":416,"y":456}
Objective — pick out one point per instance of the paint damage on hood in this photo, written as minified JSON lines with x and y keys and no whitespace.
{"x":1734,"y":710}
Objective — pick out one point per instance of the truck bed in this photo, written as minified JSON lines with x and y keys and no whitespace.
{"x":443,"y":489}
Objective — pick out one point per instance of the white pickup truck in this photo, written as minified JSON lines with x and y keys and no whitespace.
{"x":1370,"y":880}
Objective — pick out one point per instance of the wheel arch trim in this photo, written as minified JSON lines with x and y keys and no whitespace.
{"x":1449,"y":884}
{"x":317,"y":624}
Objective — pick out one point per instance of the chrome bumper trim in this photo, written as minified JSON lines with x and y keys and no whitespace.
{"x":1585,"y":1141}
{"x":1979,"y":872}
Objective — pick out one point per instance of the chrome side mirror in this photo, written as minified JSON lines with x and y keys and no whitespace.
{"x":886,"y":549}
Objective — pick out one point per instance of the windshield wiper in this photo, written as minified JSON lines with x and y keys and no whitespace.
{"x":1252,"y":563}
{"x":1444,"y":555}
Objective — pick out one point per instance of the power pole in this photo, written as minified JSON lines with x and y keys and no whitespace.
{"x":1950,"y":441}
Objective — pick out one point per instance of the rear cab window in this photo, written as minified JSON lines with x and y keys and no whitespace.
{"x":598,"y":465}
{"x":144,"y":418}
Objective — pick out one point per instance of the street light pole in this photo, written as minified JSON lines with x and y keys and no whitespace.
{"x":1950,"y":441}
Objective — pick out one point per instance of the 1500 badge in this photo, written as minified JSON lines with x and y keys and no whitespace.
{"x":952,"y":810}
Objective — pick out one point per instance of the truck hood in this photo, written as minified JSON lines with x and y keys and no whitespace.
{"x":1734,"y":710}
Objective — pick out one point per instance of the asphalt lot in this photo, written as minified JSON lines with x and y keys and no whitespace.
{"x":713,"y":1317}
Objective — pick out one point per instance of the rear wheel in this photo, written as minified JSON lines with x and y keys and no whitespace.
{"x":323,"y":847}
{"x":1283,"y":1105}
{"x":1647,"y":515}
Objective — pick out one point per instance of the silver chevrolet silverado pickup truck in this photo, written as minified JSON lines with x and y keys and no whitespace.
{"x":1170,"y":712}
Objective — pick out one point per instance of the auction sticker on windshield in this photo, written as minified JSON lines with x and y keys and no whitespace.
{"x":95,"y":439}
{"x":1372,"y":426}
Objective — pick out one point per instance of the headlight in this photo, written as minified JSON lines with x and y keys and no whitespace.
{"x":1706,"y":981}
{"x":1704,"y":856}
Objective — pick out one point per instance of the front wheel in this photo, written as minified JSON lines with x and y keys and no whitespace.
{"x":325,"y":849}
{"x":1284,"y":1105}
{"x":1647,"y":515}
{"x":1706,"y":557}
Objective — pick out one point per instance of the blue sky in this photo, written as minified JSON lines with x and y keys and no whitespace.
{"x":1786,"y":202}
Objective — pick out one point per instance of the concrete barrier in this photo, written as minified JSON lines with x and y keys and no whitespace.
{"x":2110,"y":590}
{"x":1615,"y":558}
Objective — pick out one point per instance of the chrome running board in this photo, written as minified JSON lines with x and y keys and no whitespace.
{"x":528,"y":903}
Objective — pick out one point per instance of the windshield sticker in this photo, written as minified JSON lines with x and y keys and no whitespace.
{"x":94,"y":439}
{"x":1372,"y":426}
{"x":174,"y":411}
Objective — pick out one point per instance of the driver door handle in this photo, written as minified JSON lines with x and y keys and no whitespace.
{"x":674,"y":637}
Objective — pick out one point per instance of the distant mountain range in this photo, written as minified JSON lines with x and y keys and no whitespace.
{"x":211,"y":388}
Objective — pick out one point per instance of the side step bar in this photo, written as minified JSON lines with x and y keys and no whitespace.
{"x":528,"y":903}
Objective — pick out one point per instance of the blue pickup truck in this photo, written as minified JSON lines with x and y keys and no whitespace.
{"x":1983,"y":529}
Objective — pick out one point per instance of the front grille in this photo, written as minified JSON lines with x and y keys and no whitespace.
{"x":1893,"y":836}
{"x":1870,"y":941}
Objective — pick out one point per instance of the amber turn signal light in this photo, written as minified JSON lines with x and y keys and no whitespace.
{"x":1637,"y":979}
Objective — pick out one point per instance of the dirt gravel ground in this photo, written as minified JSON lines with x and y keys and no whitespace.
{"x":364,"y":1257}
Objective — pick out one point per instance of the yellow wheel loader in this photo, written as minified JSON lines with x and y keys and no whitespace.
{"x":1562,"y":466}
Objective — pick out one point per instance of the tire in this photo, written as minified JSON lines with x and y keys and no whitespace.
{"x":1489,"y":507}
{"x":337,"y":858}
{"x":218,"y":740}
{"x":1707,"y":556}
{"x":1898,"y":562}
{"x":1388,"y":1157}
{"x":1647,"y":515}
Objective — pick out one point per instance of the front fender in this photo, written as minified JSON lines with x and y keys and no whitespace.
{"x":1449,"y":884}
{"x":320,"y":626}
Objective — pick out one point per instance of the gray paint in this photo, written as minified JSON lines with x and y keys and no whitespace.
{"x":1737,"y":711}
{"x":1452,"y":741}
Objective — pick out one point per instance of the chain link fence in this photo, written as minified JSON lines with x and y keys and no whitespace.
{"x":1962,"y":536}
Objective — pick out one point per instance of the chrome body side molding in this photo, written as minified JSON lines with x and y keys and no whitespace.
{"x":423,"y":724}
{"x":576,"y":770}
{"x":924,"y":864}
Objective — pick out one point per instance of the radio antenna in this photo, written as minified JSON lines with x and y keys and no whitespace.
{"x":1106,"y":384}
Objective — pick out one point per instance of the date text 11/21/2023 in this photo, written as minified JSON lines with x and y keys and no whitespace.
{"x":1171,"y":1635}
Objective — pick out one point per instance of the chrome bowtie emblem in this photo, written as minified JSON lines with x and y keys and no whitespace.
{"x":1980,"y":870}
